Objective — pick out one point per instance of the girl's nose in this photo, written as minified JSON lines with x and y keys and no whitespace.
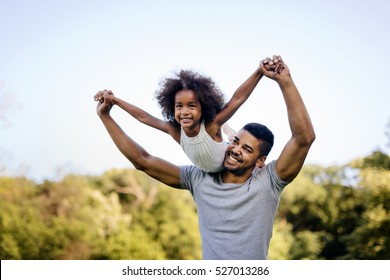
{"x":185,"y":111}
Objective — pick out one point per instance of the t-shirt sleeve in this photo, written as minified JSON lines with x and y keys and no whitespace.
{"x":190,"y":177}
{"x":278,"y":184}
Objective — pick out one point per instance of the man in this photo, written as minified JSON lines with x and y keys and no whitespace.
{"x":236,"y":207}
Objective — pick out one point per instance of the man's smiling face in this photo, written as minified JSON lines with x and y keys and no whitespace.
{"x":243,"y":153}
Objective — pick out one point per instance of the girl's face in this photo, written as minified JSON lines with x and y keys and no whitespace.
{"x":188,"y":110}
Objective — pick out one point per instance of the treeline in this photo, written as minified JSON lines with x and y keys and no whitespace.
{"x":337,"y":212}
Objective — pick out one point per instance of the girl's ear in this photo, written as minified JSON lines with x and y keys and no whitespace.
{"x":261,"y":162}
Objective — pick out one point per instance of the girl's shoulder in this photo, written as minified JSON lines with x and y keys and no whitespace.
{"x":214,"y":130}
{"x":174,"y":130}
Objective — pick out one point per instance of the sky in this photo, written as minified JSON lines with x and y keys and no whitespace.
{"x":55,"y":55}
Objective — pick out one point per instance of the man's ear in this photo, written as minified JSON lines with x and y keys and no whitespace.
{"x":261,"y":162}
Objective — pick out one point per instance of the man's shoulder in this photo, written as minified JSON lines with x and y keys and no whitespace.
{"x":269,"y":173}
{"x":269,"y":167}
{"x":196,"y":170}
{"x":191,"y":177}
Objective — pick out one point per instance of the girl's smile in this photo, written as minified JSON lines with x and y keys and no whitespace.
{"x":188,"y":111}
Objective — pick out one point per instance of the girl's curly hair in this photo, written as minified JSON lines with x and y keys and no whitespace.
{"x":208,"y":94}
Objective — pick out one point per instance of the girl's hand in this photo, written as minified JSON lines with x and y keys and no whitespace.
{"x":274,"y":68}
{"x":105,"y":103}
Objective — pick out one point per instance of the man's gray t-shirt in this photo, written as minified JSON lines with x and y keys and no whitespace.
{"x":235,"y":220}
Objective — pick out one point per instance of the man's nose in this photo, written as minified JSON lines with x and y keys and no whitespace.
{"x":236,"y":150}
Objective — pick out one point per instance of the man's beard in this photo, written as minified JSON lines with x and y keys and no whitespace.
{"x":237,"y":170}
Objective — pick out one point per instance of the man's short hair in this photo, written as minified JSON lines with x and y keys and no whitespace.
{"x":262,"y":133}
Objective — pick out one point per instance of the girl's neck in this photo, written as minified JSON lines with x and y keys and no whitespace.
{"x":191,"y":131}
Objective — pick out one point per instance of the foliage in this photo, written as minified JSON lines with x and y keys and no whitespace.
{"x":335,"y":212}
{"x":106,"y":217}
{"x":338,"y":212}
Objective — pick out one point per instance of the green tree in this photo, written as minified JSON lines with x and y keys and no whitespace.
{"x":23,"y":232}
{"x":164,"y":217}
{"x":371,"y":238}
{"x":321,"y":209}
{"x":282,"y":241}
{"x":171,"y":220}
{"x":338,"y":212}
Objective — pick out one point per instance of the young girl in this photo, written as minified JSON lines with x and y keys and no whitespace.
{"x":195,"y":111}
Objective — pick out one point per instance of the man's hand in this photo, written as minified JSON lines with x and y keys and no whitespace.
{"x":274,"y":68}
{"x":105,"y":103}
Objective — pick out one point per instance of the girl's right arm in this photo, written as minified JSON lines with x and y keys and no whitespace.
{"x":146,"y":118}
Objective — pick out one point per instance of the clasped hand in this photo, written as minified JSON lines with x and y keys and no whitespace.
{"x":274,"y":68}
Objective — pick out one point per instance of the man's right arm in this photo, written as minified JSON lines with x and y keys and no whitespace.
{"x":155,"y":167}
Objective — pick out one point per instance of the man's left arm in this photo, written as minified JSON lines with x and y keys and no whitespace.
{"x":294,"y":153}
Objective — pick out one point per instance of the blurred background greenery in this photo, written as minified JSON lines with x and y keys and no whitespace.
{"x":334,"y":212}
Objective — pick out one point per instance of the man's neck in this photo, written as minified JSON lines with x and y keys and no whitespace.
{"x":231,"y":178}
